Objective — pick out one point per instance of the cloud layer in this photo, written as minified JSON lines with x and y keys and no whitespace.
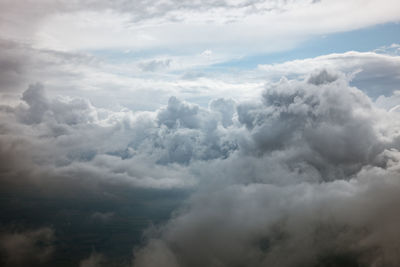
{"x":307,"y":174}
{"x":151,"y":128}
{"x":171,"y":24}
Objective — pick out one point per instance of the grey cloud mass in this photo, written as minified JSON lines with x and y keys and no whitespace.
{"x":307,"y":175}
{"x":313,"y":171}
{"x":144,"y":134}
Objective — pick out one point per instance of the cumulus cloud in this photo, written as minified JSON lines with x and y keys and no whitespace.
{"x":317,"y":162}
{"x":317,"y":125}
{"x":313,"y":123}
{"x":302,"y":171}
{"x":71,"y":138}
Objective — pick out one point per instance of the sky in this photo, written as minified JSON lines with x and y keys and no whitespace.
{"x":213,"y":133}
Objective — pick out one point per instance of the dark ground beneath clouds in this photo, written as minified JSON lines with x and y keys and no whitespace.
{"x":308,"y":175}
{"x":80,"y":225}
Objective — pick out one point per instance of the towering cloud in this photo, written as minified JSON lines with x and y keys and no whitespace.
{"x":310,"y":185}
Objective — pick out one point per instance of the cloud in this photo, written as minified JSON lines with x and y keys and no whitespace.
{"x":313,"y":123}
{"x":154,"y":65}
{"x":390,"y":102}
{"x":177,"y":25}
{"x":109,"y":85}
{"x":206,"y":53}
{"x":94,"y":260}
{"x":296,"y":171}
{"x":226,"y":109}
{"x":302,"y":171}
{"x":316,"y":165}
{"x":159,"y":24}
{"x":329,"y":224}
{"x":13,"y":60}
{"x":317,"y":124}
{"x":26,"y":247}
{"x":322,"y":77}
{"x":393,"y":49}
{"x":65,"y":137}
{"x":375,"y":74}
